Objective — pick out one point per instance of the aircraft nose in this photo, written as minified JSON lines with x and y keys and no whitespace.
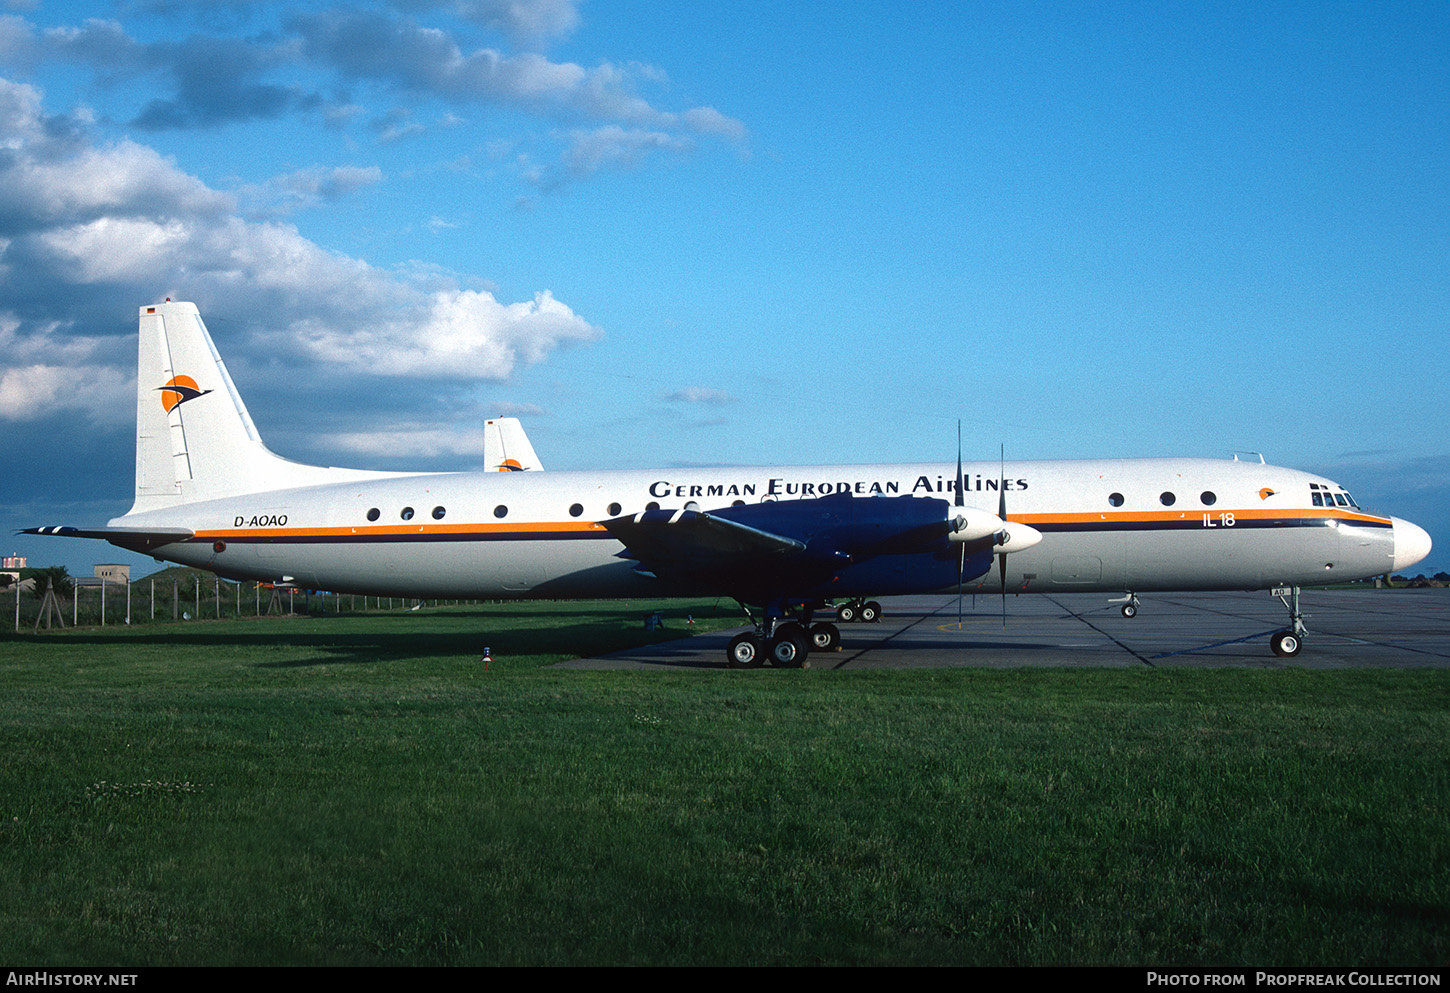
{"x":1412,"y":543}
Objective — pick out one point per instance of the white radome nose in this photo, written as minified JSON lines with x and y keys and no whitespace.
{"x":1412,"y":543}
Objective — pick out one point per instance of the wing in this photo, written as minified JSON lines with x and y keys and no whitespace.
{"x":694,"y":549}
{"x":793,"y":548}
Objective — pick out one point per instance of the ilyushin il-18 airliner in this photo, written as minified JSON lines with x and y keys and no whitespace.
{"x":784,"y":540}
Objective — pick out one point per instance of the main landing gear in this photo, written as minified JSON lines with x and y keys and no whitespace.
{"x":866,"y":611}
{"x":783,"y":641}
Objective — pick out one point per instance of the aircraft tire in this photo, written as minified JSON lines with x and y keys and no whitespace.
{"x":788,"y":651}
{"x":1130,"y":611}
{"x":825,"y":637}
{"x":870,"y":612}
{"x":1286,"y":644}
{"x":745,"y":652}
{"x":846,"y":613}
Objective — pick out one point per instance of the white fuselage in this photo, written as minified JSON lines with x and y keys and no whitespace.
{"x":1108,"y":525}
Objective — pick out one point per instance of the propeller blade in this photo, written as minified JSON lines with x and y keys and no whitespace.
{"x":1002,"y":513}
{"x":960,"y":501}
{"x":1002,"y":578}
{"x":960,"y":498}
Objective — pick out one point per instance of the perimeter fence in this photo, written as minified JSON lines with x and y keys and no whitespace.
{"x":179,"y":600}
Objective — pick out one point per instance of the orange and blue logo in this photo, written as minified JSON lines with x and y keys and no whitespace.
{"x":179,"y":390}
{"x":510,"y":465}
{"x":1266,"y":492}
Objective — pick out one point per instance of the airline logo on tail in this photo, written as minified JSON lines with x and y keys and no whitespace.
{"x":510,"y":465}
{"x":178,"y":391}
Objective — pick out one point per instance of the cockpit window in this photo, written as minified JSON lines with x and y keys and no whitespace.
{"x":1324,"y":497}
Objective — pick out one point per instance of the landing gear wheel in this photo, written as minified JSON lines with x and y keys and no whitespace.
{"x":846,"y":613}
{"x":788,"y":651}
{"x":1286,"y":644}
{"x":870,"y":611}
{"x":745,"y":652}
{"x":1130,"y":611}
{"x":825,"y":637}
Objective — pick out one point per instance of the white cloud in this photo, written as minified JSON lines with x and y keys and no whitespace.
{"x":33,"y":392}
{"x":505,"y":408}
{"x":419,"y":443}
{"x":530,"y":21}
{"x":219,"y":77}
{"x":88,"y":232}
{"x":306,"y":188}
{"x":366,"y":45}
{"x":701,"y":394}
{"x":613,"y":145}
{"x":464,"y":334}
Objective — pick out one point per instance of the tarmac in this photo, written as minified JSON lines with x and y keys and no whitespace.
{"x":1346,"y":629}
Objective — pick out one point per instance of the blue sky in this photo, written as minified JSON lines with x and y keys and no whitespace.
{"x":668,"y":234}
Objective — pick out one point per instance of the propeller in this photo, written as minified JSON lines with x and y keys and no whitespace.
{"x":973,"y":524}
{"x":1002,"y":513}
{"x":960,"y":501}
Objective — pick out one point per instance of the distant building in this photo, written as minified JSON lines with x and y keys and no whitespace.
{"x":111,"y":573}
{"x":11,"y":562}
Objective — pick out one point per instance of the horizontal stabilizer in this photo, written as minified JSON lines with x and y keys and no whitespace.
{"x":136,"y":539}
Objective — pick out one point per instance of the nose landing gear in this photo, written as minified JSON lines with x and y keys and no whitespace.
{"x":1130,"y":604}
{"x":1287,"y":643}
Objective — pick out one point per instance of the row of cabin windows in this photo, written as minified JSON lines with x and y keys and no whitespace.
{"x":407,"y":513}
{"x":1321,"y":496}
{"x":501,"y":511}
{"x":1167,"y":498}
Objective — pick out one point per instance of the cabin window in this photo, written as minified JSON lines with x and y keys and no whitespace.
{"x":1167,"y":499}
{"x":1208,"y":497}
{"x":651,"y":506}
{"x":500,"y":511}
{"x":373,"y":514}
{"x":438,"y":513}
{"x":407,"y":514}
{"x":1116,"y":499}
{"x":614,"y":509}
{"x":576,"y":510}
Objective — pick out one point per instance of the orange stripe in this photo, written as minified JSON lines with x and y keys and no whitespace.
{"x":1198,"y":512}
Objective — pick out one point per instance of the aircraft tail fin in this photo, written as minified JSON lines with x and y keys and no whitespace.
{"x":195,"y":439}
{"x":506,"y":448}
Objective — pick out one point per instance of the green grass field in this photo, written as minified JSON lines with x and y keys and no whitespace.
{"x":359,"y":790}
